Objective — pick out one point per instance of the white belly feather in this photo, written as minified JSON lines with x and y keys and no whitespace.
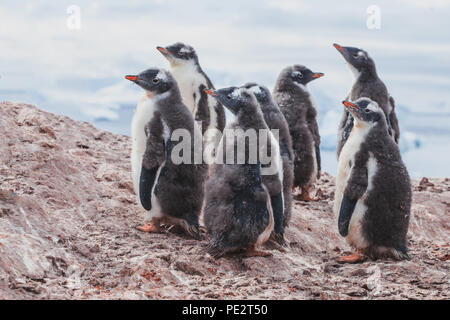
{"x":189,"y":81}
{"x":277,"y":164}
{"x":143,"y":115}
{"x":355,"y":236}
{"x":347,"y":157}
{"x":315,"y":167}
{"x":264,"y":236}
{"x":313,"y":176}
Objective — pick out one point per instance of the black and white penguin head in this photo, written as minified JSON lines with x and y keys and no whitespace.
{"x":261,"y":92}
{"x":299,"y":75}
{"x":179,"y":53}
{"x":365,"y":111}
{"x":235,"y":99}
{"x":357,"y":59}
{"x":154,"y":81}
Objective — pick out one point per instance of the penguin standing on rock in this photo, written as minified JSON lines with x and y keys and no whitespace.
{"x":367,"y":84}
{"x":275,"y":121}
{"x":238,"y":211}
{"x":192,"y":81}
{"x":297,"y":106}
{"x":373,"y":189}
{"x":169,"y":192}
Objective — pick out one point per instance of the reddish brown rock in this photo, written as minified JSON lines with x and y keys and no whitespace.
{"x":67,"y":231}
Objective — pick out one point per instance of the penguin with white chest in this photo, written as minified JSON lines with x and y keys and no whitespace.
{"x":373,"y":189}
{"x":275,"y":121}
{"x":238,"y":211}
{"x":298,"y":107}
{"x":170,"y":192}
{"x":192,"y":81}
{"x":367,"y":84}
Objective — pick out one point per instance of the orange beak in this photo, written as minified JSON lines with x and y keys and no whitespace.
{"x":350,"y":105}
{"x":211,"y":92}
{"x":317,"y":75}
{"x":162,"y":50}
{"x":131,"y":78}
{"x":338,"y":47}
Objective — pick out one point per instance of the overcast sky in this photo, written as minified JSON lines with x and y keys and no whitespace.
{"x":79,"y":72}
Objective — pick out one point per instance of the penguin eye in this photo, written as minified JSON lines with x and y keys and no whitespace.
{"x":181,"y":53}
{"x":300,"y":75}
{"x":356,"y":56}
{"x":366,"y":110}
{"x":228,"y":97}
{"x":156,"y":80}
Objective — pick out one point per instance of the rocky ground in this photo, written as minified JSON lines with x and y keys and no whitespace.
{"x":67,"y":231}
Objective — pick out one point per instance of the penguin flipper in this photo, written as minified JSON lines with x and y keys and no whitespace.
{"x":284,"y":150}
{"x":278,"y":210}
{"x":314,"y":128}
{"x":348,"y":127}
{"x":393,"y":120}
{"x":319,"y":164}
{"x":345,"y":128}
{"x":356,"y":186}
{"x":146,"y":182}
{"x":345,"y":214}
{"x":153,"y":158}
{"x":202,"y":108}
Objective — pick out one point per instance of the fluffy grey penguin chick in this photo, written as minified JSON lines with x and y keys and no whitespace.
{"x":367,"y":84}
{"x":275,"y":120}
{"x":192,"y":81}
{"x":373,"y":189}
{"x":238,"y":212}
{"x":168,"y":191}
{"x":298,"y":107}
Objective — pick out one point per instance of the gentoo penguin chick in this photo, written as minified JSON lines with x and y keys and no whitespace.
{"x":297,"y":106}
{"x":275,"y":121}
{"x":373,"y":190}
{"x":367,"y":84}
{"x":192,"y":81}
{"x":168,"y":191}
{"x":238,"y":212}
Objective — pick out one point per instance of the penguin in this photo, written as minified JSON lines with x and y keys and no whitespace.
{"x":373,"y":188}
{"x":275,"y":121}
{"x":192,"y":81}
{"x":298,"y":107}
{"x":170,"y":192}
{"x":238,"y":211}
{"x":367,"y":84}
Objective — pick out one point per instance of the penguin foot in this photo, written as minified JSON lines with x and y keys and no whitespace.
{"x":215,"y":251}
{"x":277,"y":238}
{"x":305,"y":196}
{"x":272,"y":244}
{"x":257,"y":253}
{"x":149,"y":228}
{"x":192,"y":230}
{"x":354,"y":258}
{"x":153,"y":226}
